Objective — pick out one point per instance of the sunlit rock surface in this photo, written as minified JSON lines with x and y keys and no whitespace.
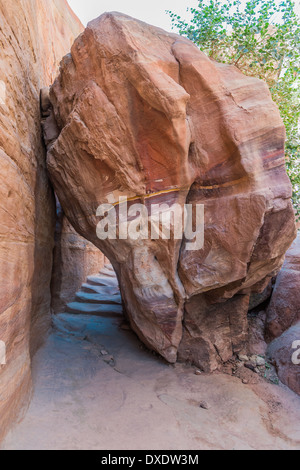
{"x":144,"y":114}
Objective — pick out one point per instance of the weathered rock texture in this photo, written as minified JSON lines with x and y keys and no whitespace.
{"x":284,"y":352}
{"x":144,"y":114}
{"x":74,"y":260}
{"x":34,"y":35}
{"x":284,"y":308}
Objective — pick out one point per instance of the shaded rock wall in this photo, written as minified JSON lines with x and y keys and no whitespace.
{"x":34,"y":35}
{"x":144,"y":114}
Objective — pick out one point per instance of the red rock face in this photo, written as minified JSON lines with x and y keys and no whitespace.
{"x":284,"y":308}
{"x":284,"y":352}
{"x":34,"y":35}
{"x":144,"y":114}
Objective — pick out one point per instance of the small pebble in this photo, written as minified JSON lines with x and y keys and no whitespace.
{"x":243,"y":358}
{"x":245,"y":381}
{"x":260,"y":361}
{"x":204,"y":405}
{"x":104,"y":353}
{"x":109,"y":360}
{"x":250,"y":365}
{"x":198,"y":372}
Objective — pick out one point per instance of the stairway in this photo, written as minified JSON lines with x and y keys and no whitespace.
{"x":100,"y":296}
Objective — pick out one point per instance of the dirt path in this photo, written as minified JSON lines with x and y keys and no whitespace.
{"x":130,"y":399}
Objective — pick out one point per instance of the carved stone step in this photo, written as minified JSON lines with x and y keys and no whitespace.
{"x":100,"y":310}
{"x":104,"y":290}
{"x":102,"y":281}
{"x":85,"y":297}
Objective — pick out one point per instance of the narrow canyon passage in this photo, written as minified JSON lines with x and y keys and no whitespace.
{"x":113,"y":139}
{"x":100,"y":295}
{"x":97,"y":387}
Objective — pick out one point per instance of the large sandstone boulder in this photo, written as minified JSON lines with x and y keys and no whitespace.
{"x":34,"y":35}
{"x":284,"y":308}
{"x":143,"y":114}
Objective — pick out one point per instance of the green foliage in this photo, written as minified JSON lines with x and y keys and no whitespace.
{"x":262,"y":39}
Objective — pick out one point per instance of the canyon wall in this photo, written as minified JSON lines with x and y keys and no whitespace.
{"x":34,"y":35}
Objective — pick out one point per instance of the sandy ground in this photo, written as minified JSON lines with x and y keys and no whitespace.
{"x":130,"y":399}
